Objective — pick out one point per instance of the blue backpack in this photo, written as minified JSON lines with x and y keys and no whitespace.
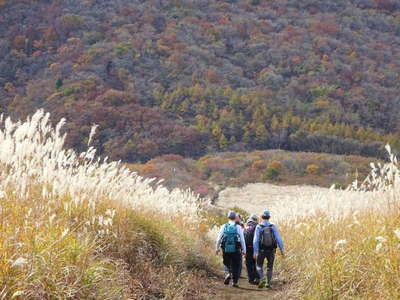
{"x":231,"y":238}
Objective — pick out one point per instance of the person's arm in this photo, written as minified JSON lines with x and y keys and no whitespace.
{"x":278,"y":238}
{"x":256,"y":240}
{"x":219,"y":238}
{"x":242,"y":241}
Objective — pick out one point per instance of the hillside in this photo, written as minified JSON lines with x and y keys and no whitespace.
{"x":210,"y":174}
{"x":193,"y":77}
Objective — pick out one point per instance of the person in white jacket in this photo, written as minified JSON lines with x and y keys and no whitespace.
{"x":231,"y":241}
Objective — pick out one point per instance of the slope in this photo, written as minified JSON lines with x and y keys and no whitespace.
{"x":190,"y":77}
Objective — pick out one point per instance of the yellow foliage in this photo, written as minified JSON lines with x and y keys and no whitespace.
{"x":321,"y":103}
{"x":312,"y":169}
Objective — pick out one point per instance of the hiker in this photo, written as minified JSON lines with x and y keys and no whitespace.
{"x":239,"y":222}
{"x":266,"y":240}
{"x":231,"y":241}
{"x":252,"y":273}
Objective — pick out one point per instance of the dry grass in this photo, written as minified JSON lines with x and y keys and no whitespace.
{"x":354,"y":257}
{"x":341,"y":244}
{"x":75,"y":227}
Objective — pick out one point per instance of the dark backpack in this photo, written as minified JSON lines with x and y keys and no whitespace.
{"x":267,"y":240}
{"x":249,"y":235}
{"x":230,"y":239}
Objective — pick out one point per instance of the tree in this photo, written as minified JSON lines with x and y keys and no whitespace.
{"x":261,"y":136}
{"x":59,"y":83}
{"x":223,"y":142}
{"x":271,"y":174}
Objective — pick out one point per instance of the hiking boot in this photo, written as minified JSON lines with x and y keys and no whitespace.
{"x":235,"y":285}
{"x":254,"y":282}
{"x":262,"y":283}
{"x":227,"y":279}
{"x":268,"y":286}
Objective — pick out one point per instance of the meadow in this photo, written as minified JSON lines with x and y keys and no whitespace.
{"x":341,"y":244}
{"x":74,"y":226}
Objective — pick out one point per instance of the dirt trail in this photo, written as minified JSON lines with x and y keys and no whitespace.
{"x":247,"y":291}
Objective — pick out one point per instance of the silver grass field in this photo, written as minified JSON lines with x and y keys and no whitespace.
{"x":74,"y":226}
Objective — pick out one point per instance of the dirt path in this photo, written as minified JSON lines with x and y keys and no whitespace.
{"x":247,"y":291}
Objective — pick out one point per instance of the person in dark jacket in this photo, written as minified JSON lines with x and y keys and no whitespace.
{"x":250,"y":228}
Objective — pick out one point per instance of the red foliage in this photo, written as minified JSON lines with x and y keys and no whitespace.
{"x":388,"y":5}
{"x":328,"y":27}
{"x":171,"y":157}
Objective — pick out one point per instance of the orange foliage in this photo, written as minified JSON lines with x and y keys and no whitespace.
{"x":212,"y":76}
{"x":148,"y":169}
{"x":259,"y":165}
{"x":277,"y":165}
{"x":19,"y":42}
{"x":312,"y":169}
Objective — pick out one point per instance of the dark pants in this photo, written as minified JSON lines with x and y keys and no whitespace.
{"x":270,"y":256}
{"x":251,"y":266}
{"x":232,"y":263}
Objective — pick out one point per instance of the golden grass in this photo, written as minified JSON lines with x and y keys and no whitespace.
{"x":354,"y":257}
{"x":349,"y":253}
{"x":75,"y":227}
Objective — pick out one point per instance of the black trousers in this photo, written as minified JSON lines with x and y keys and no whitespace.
{"x":251,"y":265}
{"x":269,"y":255}
{"x":232,"y":263}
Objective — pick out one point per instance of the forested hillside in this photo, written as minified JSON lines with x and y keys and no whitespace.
{"x":193,"y":76}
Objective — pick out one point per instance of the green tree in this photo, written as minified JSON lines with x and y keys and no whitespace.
{"x":271,"y":174}
{"x":223,"y":142}
{"x":59,"y":83}
{"x":261,"y":135}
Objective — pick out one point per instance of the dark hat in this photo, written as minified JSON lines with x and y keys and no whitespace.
{"x":253,"y":218}
{"x":266,"y":214}
{"x":232,"y":215}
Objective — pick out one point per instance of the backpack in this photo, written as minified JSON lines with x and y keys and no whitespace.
{"x":230,"y":239}
{"x":267,"y":240}
{"x":249,"y":235}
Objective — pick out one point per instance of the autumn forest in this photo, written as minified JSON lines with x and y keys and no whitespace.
{"x":192,"y":77}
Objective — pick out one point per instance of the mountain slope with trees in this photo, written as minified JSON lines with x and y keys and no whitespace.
{"x":192,"y":77}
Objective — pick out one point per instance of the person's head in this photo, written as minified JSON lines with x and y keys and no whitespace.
{"x":238,"y":218}
{"x":253,"y":218}
{"x":232,"y":215}
{"x":266,"y":215}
